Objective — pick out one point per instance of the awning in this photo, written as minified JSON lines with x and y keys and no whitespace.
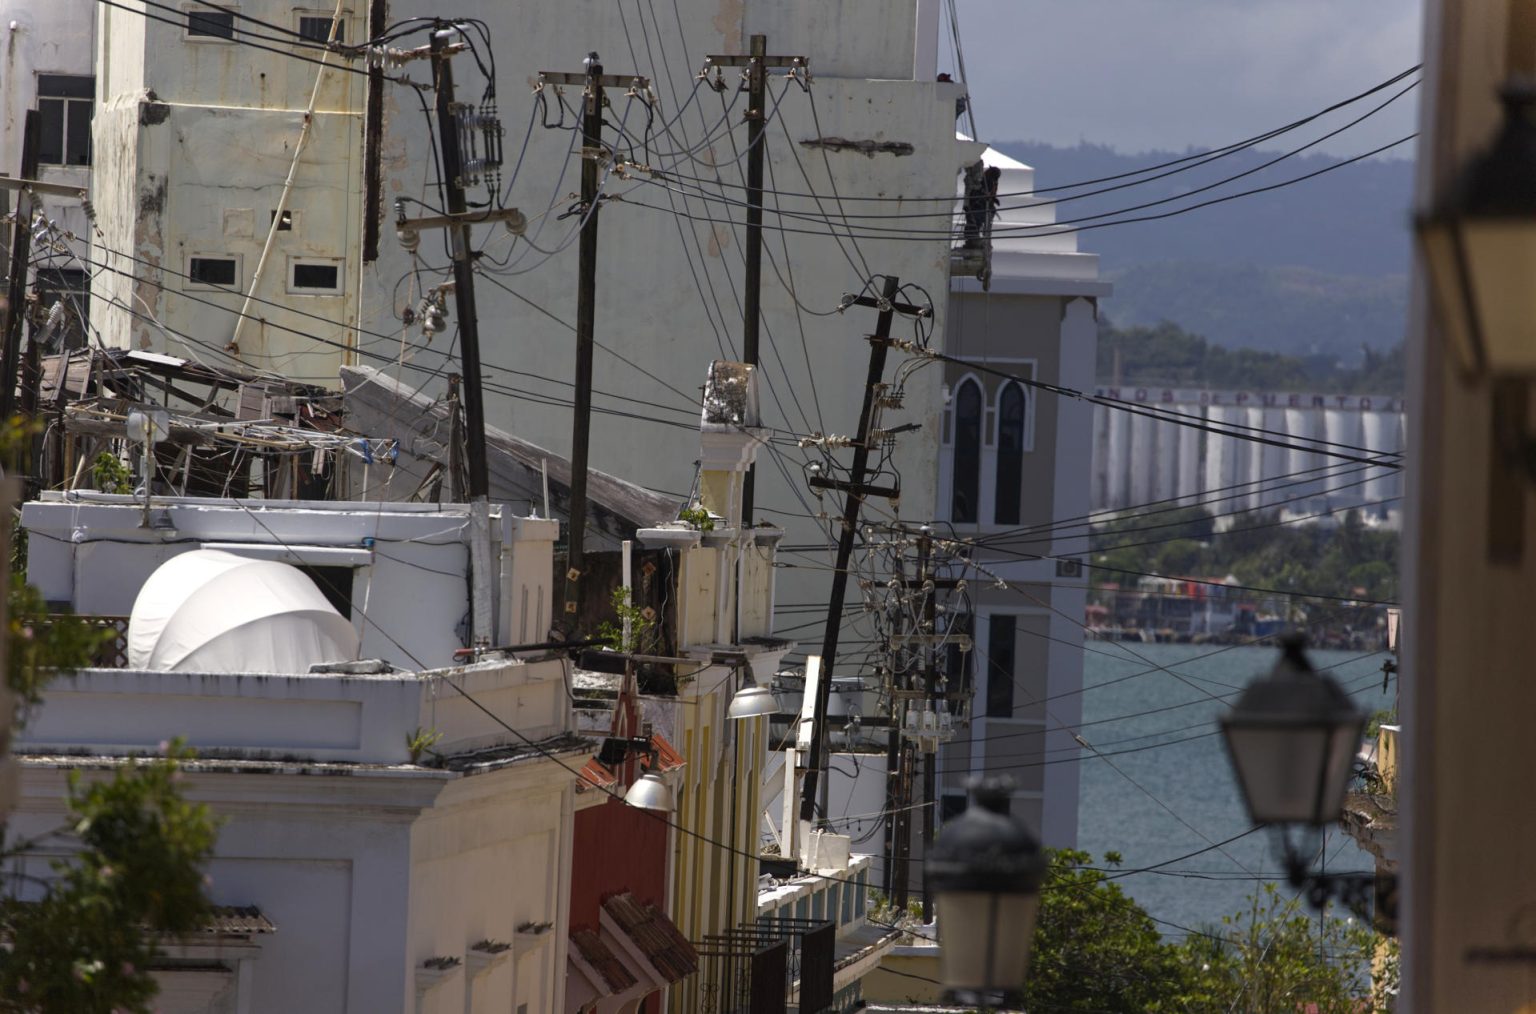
{"x":635,"y":951}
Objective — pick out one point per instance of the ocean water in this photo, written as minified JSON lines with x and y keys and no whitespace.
{"x":1166,"y":789}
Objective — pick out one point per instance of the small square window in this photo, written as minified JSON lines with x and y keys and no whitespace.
{"x":211,"y":24}
{"x":315,"y":276}
{"x":64,"y":106}
{"x":220,"y":271}
{"x":317,"y":28}
{"x":285,"y":223}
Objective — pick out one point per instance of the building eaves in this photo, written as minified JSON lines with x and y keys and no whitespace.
{"x":516,"y":465}
{"x":589,"y":944}
{"x":496,"y":758}
{"x":662,"y":943}
{"x":234,"y":766}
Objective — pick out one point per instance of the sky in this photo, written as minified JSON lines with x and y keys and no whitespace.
{"x":1141,"y":75}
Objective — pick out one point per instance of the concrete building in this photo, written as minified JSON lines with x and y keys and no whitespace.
{"x":1012,"y":458}
{"x":380,"y":858}
{"x":1140,"y":459}
{"x":201,"y":138}
{"x":225,"y":172}
{"x":48,"y":64}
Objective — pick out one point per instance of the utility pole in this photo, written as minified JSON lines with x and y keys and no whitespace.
{"x":856,"y":490}
{"x":931,"y":689}
{"x":463,"y":264}
{"x":593,"y":82}
{"x":756,"y":61}
{"x":16,"y":287}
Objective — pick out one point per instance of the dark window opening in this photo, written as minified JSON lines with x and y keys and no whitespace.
{"x":967,"y":480}
{"x":1010,"y":455}
{"x":285,"y":223}
{"x":335,"y":583}
{"x":318,"y":29}
{"x":65,"y":106}
{"x":317,"y":276}
{"x":1001,"y":634}
{"x":212,"y":270}
{"x":951,"y":805}
{"x":211,"y":24}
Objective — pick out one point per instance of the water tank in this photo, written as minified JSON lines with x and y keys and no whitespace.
{"x":212,"y":611}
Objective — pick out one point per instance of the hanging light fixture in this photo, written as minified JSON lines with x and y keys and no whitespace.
{"x":1479,"y":246}
{"x":752,"y":700}
{"x":985,"y":871}
{"x":650,"y":792}
{"x":1292,"y":737}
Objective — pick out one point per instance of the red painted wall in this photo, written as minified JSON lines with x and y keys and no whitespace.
{"x":618,"y":848}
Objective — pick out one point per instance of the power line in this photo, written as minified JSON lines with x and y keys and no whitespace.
{"x":1253,"y":434}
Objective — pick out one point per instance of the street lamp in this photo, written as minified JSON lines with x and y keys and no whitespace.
{"x":650,"y":792}
{"x":1292,"y":737}
{"x":984,"y":873}
{"x":752,"y":700}
{"x":1479,"y":245}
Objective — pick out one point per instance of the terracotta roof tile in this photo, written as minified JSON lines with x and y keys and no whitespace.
{"x":668,"y":951}
{"x":596,"y":953}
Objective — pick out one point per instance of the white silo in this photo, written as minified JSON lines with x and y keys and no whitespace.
{"x":1118,"y":459}
{"x":1142,"y":465}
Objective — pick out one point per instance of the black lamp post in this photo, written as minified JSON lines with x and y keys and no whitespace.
{"x":984,"y":872}
{"x":1292,"y":737}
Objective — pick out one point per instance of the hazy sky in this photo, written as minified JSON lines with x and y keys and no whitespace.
{"x":1167,"y":74}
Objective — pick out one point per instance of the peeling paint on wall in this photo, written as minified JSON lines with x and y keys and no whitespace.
{"x":151,"y":196}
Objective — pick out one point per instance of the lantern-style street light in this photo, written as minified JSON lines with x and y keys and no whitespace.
{"x":1479,"y":246}
{"x":1293,"y":736}
{"x":984,"y":872}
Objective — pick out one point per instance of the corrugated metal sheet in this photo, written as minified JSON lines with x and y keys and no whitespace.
{"x":238,"y":920}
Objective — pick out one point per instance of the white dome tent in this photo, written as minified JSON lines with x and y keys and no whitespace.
{"x":215,"y":612}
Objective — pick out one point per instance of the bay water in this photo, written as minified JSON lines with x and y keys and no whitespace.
{"x":1163,"y":787}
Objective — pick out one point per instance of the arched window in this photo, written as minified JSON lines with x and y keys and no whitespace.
{"x":967,"y":481}
{"x":1010,"y":454}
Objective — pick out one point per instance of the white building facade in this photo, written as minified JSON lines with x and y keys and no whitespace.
{"x":400,"y":873}
{"x":1015,"y":457}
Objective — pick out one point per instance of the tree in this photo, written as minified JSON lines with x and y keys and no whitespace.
{"x":1277,"y":958}
{"x":82,"y":941}
{"x":1097,"y":950}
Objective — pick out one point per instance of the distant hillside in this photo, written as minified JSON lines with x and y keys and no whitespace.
{"x":1317,"y":268}
{"x":1167,"y":355}
{"x":1299,"y":311}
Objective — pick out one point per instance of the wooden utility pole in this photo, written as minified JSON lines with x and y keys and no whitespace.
{"x":463,"y":263}
{"x":593,"y":82}
{"x":756,"y":61}
{"x":931,"y":690}
{"x":856,"y":490}
{"x":16,"y":285}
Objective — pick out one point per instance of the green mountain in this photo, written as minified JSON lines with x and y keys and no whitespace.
{"x":1316,"y":269}
{"x":1298,"y":311}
